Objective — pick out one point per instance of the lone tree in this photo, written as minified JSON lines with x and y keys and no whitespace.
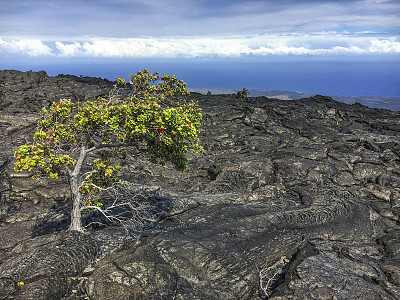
{"x":86,"y":141}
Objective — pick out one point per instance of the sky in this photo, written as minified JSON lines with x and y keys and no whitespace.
{"x":198,"y":28}
{"x":260,"y":44}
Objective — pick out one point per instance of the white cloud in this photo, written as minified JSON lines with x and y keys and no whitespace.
{"x":154,"y":47}
{"x":230,"y":47}
{"x":321,"y":43}
{"x":384,"y":46}
{"x":27,"y":47}
{"x":74,"y":49}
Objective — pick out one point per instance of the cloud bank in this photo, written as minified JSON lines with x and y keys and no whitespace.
{"x":198,"y":28}
{"x":317,"y":44}
{"x":28,"y":47}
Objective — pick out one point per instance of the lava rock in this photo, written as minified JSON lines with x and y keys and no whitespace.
{"x":305,"y":193}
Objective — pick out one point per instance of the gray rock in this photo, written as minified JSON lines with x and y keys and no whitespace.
{"x":304,"y":192}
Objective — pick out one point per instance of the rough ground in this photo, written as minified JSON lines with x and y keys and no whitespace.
{"x":304,"y":192}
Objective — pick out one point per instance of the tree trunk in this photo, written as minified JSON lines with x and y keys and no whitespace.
{"x":76,"y":222}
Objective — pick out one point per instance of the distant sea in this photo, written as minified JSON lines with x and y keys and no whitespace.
{"x":357,"y":79}
{"x":391,"y":103}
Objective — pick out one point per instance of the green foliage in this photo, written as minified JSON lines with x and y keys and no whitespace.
{"x":155,"y":117}
{"x":242,"y":95}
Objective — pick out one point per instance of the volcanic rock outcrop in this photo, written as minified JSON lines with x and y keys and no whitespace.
{"x":290,"y":200}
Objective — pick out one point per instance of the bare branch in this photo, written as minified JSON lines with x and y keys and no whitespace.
{"x":97,"y":187}
{"x":101,"y":146}
{"x":127,"y":205}
{"x":269,"y":275}
{"x":87,"y":175}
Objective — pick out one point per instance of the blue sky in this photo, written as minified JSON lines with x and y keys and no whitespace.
{"x":176,"y":29}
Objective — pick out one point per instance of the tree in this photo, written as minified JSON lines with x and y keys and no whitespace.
{"x":85,"y":142}
{"x":242,"y":95}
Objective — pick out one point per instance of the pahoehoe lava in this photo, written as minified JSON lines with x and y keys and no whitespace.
{"x":306,"y":192}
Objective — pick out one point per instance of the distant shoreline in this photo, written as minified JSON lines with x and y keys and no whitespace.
{"x":391,"y":103}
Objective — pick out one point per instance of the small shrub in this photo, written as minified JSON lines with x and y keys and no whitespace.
{"x":242,"y":95}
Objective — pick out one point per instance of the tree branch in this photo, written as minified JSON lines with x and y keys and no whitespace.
{"x":101,"y":146}
{"x":127,"y":207}
{"x":111,"y":145}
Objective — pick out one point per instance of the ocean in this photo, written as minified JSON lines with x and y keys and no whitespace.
{"x":372,"y":78}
